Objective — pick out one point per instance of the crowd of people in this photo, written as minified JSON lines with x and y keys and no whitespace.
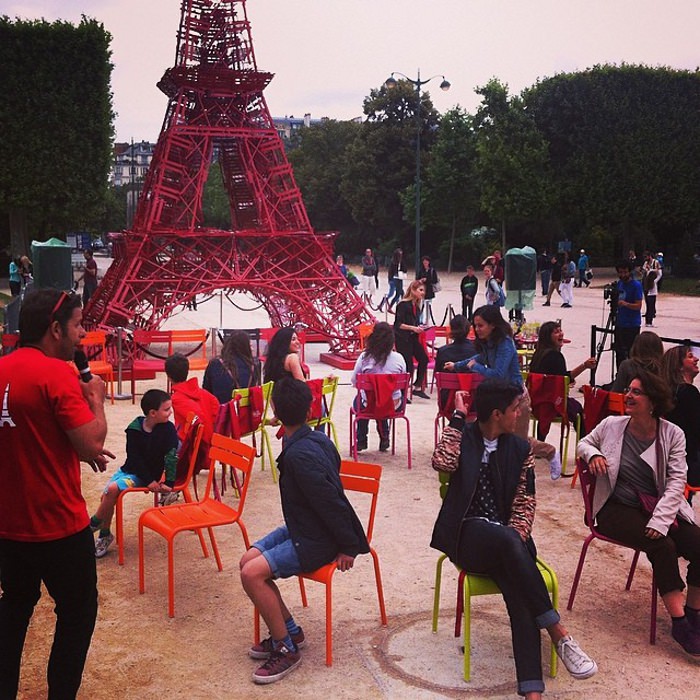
{"x":52,"y":421}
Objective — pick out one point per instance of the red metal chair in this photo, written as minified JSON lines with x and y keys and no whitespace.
{"x":448,"y":383}
{"x":597,"y":405}
{"x":374,"y":402}
{"x":588,"y":490}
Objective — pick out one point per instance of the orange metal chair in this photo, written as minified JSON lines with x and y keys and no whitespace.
{"x":365,"y":329}
{"x":187,"y":460}
{"x":374,"y":402}
{"x":448,"y":383}
{"x":207,"y":513}
{"x":95,"y":345}
{"x":356,"y":477}
{"x":588,"y":491}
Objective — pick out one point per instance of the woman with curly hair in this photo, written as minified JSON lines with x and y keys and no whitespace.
{"x":235,"y":368}
{"x":379,"y":357}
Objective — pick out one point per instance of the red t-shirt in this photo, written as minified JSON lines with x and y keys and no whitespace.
{"x":40,"y":495}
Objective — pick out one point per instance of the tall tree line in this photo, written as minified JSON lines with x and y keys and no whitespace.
{"x":56,"y":116}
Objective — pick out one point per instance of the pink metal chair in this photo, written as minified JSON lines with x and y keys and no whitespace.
{"x":448,"y":383}
{"x":588,"y":490}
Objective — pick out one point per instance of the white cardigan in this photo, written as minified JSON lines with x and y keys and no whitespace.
{"x":606,"y":440}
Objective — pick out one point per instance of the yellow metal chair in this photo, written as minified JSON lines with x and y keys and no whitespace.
{"x":471,"y":585}
{"x":328,"y":391}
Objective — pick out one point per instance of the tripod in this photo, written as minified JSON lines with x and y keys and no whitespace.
{"x":609,"y":330}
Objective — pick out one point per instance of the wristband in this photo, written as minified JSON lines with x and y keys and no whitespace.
{"x":461,"y":415}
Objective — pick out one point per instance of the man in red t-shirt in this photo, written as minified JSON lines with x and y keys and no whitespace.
{"x":49,"y":422}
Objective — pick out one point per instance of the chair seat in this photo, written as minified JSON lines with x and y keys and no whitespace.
{"x":189,"y":516}
{"x":152,"y":365}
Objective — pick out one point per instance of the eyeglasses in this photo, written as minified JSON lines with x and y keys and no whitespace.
{"x":634,"y":391}
{"x":57,"y":306}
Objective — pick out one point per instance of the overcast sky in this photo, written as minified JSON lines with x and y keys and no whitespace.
{"x":328,"y":54}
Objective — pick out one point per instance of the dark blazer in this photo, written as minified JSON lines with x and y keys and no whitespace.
{"x":506,"y":465}
{"x":320,"y":519}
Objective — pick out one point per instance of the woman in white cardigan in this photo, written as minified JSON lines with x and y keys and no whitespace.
{"x":642,"y":454}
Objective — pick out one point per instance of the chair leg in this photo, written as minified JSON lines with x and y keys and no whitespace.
{"x":654,"y":603}
{"x":171,"y":576}
{"x":459,"y":608}
{"x":436,"y":595}
{"x":408,"y":440}
{"x":380,"y":587}
{"x":302,"y":592}
{"x":120,"y":527}
{"x":633,"y":568}
{"x":329,"y":621}
{"x":579,"y":568}
{"x":466,"y":602}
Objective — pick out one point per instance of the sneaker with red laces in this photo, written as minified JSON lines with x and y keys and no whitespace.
{"x":264,"y":648}
{"x":281,"y":662}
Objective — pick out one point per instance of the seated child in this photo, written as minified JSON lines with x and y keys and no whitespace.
{"x":320,"y":526}
{"x":151,"y":449}
{"x":189,"y":397}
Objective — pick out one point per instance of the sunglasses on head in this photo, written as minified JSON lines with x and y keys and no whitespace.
{"x":57,"y":306}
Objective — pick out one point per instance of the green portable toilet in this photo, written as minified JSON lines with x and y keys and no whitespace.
{"x":52,"y":265}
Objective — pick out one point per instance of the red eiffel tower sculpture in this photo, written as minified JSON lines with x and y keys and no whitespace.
{"x":216,"y":105}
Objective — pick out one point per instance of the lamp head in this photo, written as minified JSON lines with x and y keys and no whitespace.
{"x":444,"y":85}
{"x":391,"y":82}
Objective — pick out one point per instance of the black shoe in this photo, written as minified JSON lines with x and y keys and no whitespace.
{"x":688,"y":638}
{"x":566,"y":306}
{"x":546,"y":303}
{"x":421,"y":394}
{"x":361,"y":445}
{"x":383,"y":444}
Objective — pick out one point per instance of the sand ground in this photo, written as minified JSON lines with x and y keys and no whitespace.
{"x":139,"y":653}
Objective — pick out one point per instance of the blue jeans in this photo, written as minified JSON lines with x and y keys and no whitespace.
{"x":67,"y":568}
{"x":545,"y":276}
{"x":499,"y":552}
{"x":395,"y":291}
{"x":279,"y":551}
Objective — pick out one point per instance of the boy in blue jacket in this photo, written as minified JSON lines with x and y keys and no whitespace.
{"x":151,"y":449}
{"x":320,"y":527}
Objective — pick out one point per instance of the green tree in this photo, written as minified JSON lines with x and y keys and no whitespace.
{"x":512,"y":159}
{"x":450,"y":199}
{"x":381,"y":161}
{"x":56,"y":116}
{"x":320,"y":162}
{"x":216,"y":206}
{"x":624,"y":145}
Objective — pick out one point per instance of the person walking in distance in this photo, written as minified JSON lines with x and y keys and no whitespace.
{"x":368,"y":282}
{"x":50,"y":421}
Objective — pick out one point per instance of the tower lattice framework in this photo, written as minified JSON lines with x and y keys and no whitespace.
{"x":216,"y":104}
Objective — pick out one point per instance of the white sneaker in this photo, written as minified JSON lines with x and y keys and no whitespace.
{"x":555,"y":467}
{"x":102,"y":545}
{"x":577,"y":662}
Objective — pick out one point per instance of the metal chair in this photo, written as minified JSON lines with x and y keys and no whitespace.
{"x":587,"y":491}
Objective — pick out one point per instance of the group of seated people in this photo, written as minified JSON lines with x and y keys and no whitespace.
{"x":485,"y":523}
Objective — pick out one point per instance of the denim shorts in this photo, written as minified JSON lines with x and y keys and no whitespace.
{"x":279,"y":551}
{"x":125,"y":481}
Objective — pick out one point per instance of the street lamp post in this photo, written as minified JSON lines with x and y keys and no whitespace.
{"x":390,"y":83}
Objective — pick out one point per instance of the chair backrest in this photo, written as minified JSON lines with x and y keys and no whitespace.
{"x":235,"y":454}
{"x":365,"y":329}
{"x":451,"y":382}
{"x":374,"y":395}
{"x":363,"y":477}
{"x":247,"y":410}
{"x":189,"y":451}
{"x":198,"y":355}
{"x":322,"y":406}
{"x":95,"y":343}
{"x":549,"y":394}
{"x":428,"y":338}
{"x":599,"y":404}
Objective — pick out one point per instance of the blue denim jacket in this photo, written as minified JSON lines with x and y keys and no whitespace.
{"x":500,"y":360}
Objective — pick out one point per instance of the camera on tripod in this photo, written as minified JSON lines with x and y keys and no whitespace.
{"x":611,"y":294}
